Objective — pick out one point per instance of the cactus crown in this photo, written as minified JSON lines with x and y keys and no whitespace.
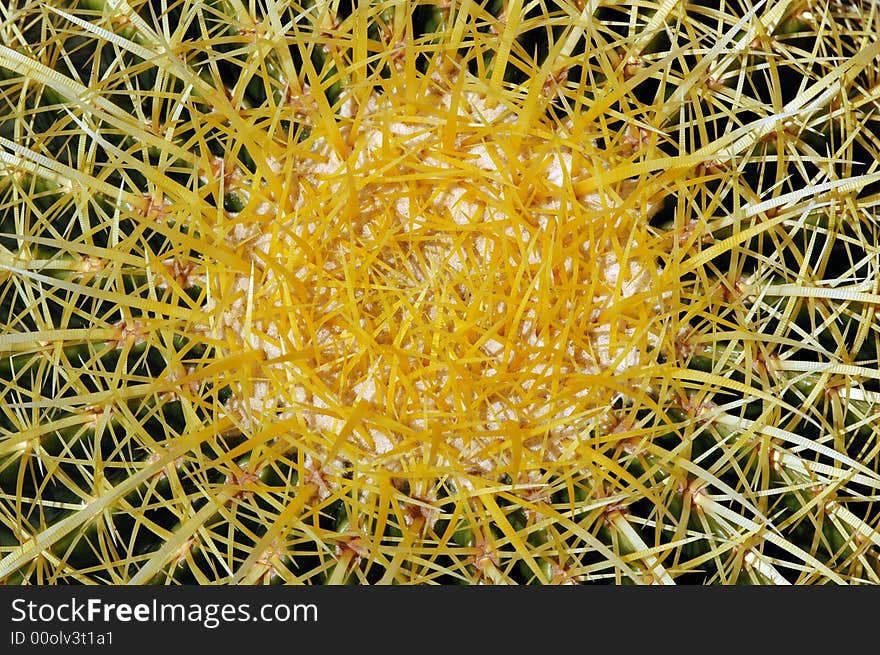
{"x":447,"y":292}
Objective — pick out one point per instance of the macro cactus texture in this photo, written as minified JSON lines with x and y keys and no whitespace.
{"x":447,"y":292}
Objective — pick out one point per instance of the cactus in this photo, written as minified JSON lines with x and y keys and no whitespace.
{"x":439,"y":292}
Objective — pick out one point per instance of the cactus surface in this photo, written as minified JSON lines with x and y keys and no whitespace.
{"x":443,"y":292}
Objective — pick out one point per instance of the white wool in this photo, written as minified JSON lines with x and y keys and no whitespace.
{"x":559,"y":168}
{"x":403,"y":208}
{"x":484,"y":159}
{"x":381,"y":442}
{"x":366,"y":390}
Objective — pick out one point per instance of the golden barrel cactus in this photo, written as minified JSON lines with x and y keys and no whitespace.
{"x":442,"y":291}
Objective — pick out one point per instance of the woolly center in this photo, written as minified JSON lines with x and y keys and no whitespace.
{"x":439,"y":288}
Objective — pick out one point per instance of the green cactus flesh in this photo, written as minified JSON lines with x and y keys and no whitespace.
{"x":439,"y":292}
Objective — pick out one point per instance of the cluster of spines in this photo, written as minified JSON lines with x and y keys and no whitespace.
{"x":754,"y":459}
